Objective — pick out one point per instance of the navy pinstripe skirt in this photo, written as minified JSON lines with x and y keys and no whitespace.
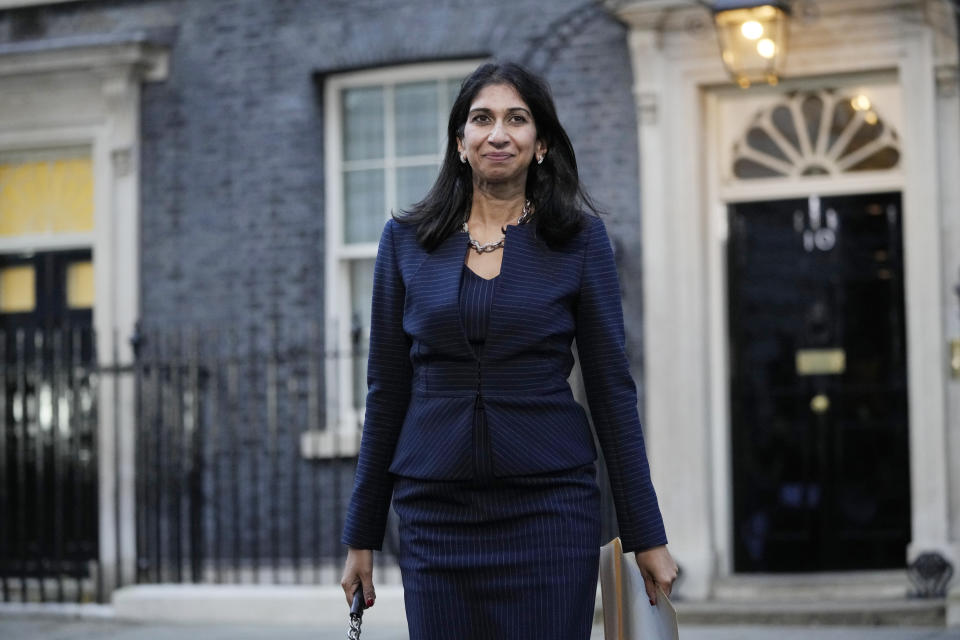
{"x":503,"y":558}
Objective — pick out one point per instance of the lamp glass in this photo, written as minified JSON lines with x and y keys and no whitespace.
{"x":752,"y":42}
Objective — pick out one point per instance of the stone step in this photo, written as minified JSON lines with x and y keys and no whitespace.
{"x":859,"y":612}
{"x":851,"y":585}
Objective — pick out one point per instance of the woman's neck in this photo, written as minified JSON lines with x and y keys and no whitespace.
{"x":496,"y":207}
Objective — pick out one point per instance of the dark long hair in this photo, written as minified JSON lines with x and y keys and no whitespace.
{"x":559,"y":201}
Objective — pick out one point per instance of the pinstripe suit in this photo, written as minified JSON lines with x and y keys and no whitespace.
{"x":426,"y":382}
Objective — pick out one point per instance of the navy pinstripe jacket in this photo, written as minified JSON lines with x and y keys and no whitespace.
{"x":424,"y":378}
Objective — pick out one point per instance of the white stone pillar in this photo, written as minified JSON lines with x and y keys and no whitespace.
{"x":675,"y":329}
{"x":923,"y":301}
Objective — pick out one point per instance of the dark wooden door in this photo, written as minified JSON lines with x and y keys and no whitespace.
{"x":48,"y":463}
{"x":818,"y":384}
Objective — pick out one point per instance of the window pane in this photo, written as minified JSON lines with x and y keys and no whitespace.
{"x":46,"y":191}
{"x":366,"y":207}
{"x":415,"y":109}
{"x":453,"y":88}
{"x":361,"y":293}
{"x":363,"y":123}
{"x":80,"y":285}
{"x":413,"y":183}
{"x":17,"y":289}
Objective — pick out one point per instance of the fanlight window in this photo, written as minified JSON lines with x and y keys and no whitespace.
{"x":819,"y":133}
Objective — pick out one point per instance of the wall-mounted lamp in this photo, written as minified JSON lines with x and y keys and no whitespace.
{"x":753,"y":38}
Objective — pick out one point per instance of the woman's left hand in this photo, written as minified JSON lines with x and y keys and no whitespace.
{"x":658,"y":569}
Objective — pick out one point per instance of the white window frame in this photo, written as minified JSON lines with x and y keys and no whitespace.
{"x":341,"y":436}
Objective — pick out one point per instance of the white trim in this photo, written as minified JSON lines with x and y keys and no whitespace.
{"x":358,"y":250}
{"x":926,"y":375}
{"x":341,"y":441}
{"x":31,"y":243}
{"x":333,"y":226}
{"x":719,"y":354}
{"x":75,"y":54}
{"x":718,"y":197}
{"x":50,"y":136}
{"x":341,"y":415}
{"x":399,"y":74}
{"x":391,"y":161}
{"x":677,"y":81}
{"x":763,"y":189}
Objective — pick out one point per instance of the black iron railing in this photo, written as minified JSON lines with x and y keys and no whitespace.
{"x":246,"y":458}
{"x":48,"y":465}
{"x":230,"y":454}
{"x":236,"y":474}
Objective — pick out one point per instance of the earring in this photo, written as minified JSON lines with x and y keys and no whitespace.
{"x":540,"y":159}
{"x":463,"y":158}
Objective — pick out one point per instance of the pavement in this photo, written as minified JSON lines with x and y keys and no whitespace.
{"x":25,"y":627}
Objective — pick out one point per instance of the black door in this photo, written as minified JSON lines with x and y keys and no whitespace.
{"x":48,"y":497}
{"x":818,"y":384}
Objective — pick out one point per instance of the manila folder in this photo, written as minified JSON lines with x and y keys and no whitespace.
{"x":627,"y":613}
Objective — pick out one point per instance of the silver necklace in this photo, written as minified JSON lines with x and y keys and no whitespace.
{"x":496,"y":244}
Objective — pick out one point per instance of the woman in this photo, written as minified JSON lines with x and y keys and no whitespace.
{"x":470,"y":425}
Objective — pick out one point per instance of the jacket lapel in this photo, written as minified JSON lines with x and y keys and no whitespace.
{"x":521,"y":274}
{"x":441,"y":272}
{"x":521,"y":279}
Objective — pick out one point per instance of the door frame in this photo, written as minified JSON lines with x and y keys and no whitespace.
{"x":88,"y":94}
{"x":719,"y":199}
{"x":678,"y":76}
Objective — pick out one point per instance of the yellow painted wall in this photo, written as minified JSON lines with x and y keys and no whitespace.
{"x":46,"y":194}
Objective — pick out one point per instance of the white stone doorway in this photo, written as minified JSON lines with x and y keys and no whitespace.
{"x":690,"y":121}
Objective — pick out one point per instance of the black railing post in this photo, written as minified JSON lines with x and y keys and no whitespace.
{"x":114,"y":372}
{"x":20,"y":417}
{"x":77,"y":479}
{"x":197,"y":467}
{"x":314,"y":364}
{"x":5,"y":510}
{"x":158,"y":469}
{"x":296,"y":403}
{"x":57,"y":391}
{"x":40,"y":537}
{"x":179,"y":454}
{"x":274,"y":479}
{"x":93,"y":422}
{"x":233,"y":394}
{"x":141,"y":455}
{"x":214,"y":346}
{"x":253,"y":431}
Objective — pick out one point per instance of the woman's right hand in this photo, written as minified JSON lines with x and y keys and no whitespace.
{"x":357,"y":572}
{"x":658,"y":570}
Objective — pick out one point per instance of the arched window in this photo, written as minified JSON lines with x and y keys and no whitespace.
{"x":816,"y":133}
